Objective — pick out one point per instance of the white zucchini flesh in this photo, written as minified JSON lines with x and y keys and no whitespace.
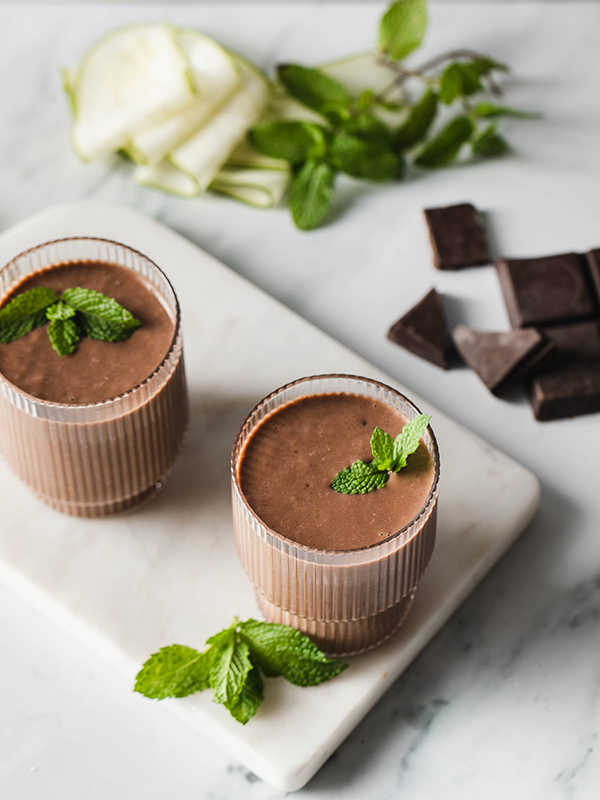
{"x":205,"y":152}
{"x":216,"y":75}
{"x":167,"y":178}
{"x":132,"y":78}
{"x":262,"y":188}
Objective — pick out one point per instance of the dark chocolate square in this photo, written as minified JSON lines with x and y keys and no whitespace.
{"x":457,"y":236}
{"x":593,"y":259}
{"x":546,"y":291}
{"x":571,"y":385}
{"x":423,"y":331}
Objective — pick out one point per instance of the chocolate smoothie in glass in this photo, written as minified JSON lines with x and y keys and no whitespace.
{"x":95,"y":432}
{"x":341,"y":568}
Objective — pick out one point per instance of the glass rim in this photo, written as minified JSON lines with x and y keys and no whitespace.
{"x":236,"y":453}
{"x":134,"y":389}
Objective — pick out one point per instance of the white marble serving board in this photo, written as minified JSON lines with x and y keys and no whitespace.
{"x":169,"y":573}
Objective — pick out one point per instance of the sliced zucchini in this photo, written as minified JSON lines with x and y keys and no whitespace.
{"x":130,"y":79}
{"x":205,"y":152}
{"x":216,"y":74}
{"x":167,"y":178}
{"x":262,"y":188}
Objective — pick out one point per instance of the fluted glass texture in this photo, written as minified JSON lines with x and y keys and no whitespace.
{"x":96,"y":459}
{"x":350,"y":600}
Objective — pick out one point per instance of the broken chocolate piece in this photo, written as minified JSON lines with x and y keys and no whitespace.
{"x":423,"y":331}
{"x":457,"y":236}
{"x":571,"y":385}
{"x":502,"y":359}
{"x":546,"y":291}
{"x":593,"y":259}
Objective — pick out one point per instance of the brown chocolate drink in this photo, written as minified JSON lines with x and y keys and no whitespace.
{"x":291,"y":459}
{"x":97,"y":370}
{"x":95,"y":432}
{"x":341,"y":568}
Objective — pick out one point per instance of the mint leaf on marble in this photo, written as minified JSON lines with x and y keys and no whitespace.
{"x":314,"y":89}
{"x":403,"y":27}
{"x":444,"y":148}
{"x":281,"y":650}
{"x":311,"y":195}
{"x":389,"y":455}
{"x":487,"y":110}
{"x":362,"y":158}
{"x":233,"y":666}
{"x":419,"y":121}
{"x":174,"y":671}
{"x":292,"y":140}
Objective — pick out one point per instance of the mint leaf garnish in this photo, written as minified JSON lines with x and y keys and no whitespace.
{"x":360,"y":478}
{"x":492,"y":111}
{"x":233,"y":665}
{"x":174,"y":671}
{"x":408,"y":441}
{"x":389,"y":455}
{"x":403,"y":27}
{"x":96,"y":304}
{"x":382,"y":447}
{"x":77,"y":312}
{"x":311,"y":195}
{"x":24,"y":313}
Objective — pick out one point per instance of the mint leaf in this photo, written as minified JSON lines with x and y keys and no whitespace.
{"x":64,"y":335}
{"x":363,"y":159}
{"x":483,"y":65}
{"x":444,"y":148}
{"x":229,"y":665}
{"x":174,"y":671}
{"x":97,"y":328}
{"x":246,"y":704}
{"x":291,"y":140}
{"x":458,"y":80}
{"x":60,"y":310}
{"x":24,"y":313}
{"x":492,"y":111}
{"x":489,"y":143}
{"x":408,"y":440}
{"x":313,"y":88}
{"x":382,"y":447}
{"x":281,"y":650}
{"x":360,"y":478}
{"x":368,"y":127}
{"x":403,"y":27}
{"x":98,"y":305}
{"x":311,"y":194}
{"x":419,"y":121}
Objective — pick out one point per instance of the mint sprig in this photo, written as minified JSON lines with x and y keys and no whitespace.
{"x":233,"y":666}
{"x":77,"y":312}
{"x":389,"y":455}
{"x":355,"y":136}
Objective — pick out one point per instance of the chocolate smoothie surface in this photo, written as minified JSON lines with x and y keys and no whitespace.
{"x":290,"y":460}
{"x":96,"y":370}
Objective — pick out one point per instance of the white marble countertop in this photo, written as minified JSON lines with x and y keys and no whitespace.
{"x":506,"y":699}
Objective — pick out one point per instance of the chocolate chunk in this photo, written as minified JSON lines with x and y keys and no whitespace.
{"x":571,"y":385}
{"x":457,"y":236}
{"x":502,"y":359}
{"x":593,"y":259}
{"x":422,"y":330}
{"x":545,"y":291}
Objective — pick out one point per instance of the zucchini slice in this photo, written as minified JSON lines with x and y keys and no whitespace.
{"x":262,"y":188}
{"x":130,"y":79}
